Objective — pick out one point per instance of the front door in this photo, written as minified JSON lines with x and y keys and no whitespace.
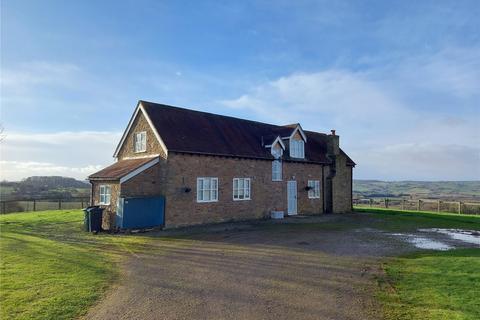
{"x":292,"y":197}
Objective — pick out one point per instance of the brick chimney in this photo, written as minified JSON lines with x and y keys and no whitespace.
{"x":333,"y":145}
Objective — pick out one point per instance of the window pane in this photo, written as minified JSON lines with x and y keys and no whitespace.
{"x":247,"y":188}
{"x":240,"y":188}
{"x":235,"y":188}
{"x":199,"y":189}
{"x":214,"y":195}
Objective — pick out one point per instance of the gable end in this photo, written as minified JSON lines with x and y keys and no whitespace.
{"x":140,"y":121}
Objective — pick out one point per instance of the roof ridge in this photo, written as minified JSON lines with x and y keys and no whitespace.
{"x":213,"y":114}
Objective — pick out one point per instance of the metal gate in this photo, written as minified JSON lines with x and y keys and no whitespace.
{"x":138,"y":213}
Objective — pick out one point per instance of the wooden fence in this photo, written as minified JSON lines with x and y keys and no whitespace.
{"x":421,"y":205}
{"x":19,"y":205}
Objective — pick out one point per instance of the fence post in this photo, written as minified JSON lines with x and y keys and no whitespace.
{"x":4,"y":207}
{"x":419,"y":204}
{"x":371,"y":202}
{"x":34,"y":205}
{"x":403,"y":204}
{"x":438,"y":206}
{"x":59,"y":204}
{"x":459,"y":207}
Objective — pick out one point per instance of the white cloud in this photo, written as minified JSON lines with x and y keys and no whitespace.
{"x":342,"y":95}
{"x":76,"y":154}
{"x":385,"y":124}
{"x":38,"y":73}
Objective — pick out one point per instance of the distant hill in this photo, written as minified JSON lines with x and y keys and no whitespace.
{"x":454,"y":190}
{"x":44,"y":187}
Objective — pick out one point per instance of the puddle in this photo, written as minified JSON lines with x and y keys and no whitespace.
{"x":425,"y":243}
{"x":422,"y":242}
{"x":469,"y":236}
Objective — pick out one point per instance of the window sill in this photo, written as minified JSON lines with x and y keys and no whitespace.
{"x":206,"y":201}
{"x":277,"y":180}
{"x":313,"y":198}
{"x":242,"y":199}
{"x":142,"y":151}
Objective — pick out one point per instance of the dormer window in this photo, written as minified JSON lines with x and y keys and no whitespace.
{"x":140,"y":141}
{"x":297,"y":149}
{"x":276,"y":148}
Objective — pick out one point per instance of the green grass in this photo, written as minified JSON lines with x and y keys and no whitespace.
{"x":51,"y":269}
{"x":434,"y":285}
{"x":430,"y":285}
{"x":405,"y":220}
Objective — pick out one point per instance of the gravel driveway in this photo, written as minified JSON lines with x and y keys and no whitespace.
{"x":299,"y":268}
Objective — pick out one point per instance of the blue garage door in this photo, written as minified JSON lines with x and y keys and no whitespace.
{"x":137,"y":213}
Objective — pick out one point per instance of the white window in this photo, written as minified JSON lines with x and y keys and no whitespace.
{"x":297,"y":149}
{"x":277,"y":170}
{"x":140,"y":141}
{"x":207,"y":189}
{"x":105,"y":194}
{"x":276,"y":152}
{"x":241,"y":189}
{"x":314,"y":190}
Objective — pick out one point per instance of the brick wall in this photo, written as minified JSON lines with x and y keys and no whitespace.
{"x":171,"y":177}
{"x":180,"y":171}
{"x":153,"y":146}
{"x":342,"y":186}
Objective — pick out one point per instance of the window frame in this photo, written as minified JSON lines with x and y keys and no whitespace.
{"x":314,"y":193}
{"x":297,"y":149}
{"x":210,"y":190}
{"x":244,"y":189}
{"x":142,"y":142}
{"x":280,"y":169}
{"x":105,"y":194}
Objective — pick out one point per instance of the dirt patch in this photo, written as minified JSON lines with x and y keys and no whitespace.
{"x":303,"y":268}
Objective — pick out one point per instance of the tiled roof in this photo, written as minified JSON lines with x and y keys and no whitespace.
{"x":119,"y":169}
{"x":189,"y":131}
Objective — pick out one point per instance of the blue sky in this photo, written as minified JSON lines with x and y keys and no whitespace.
{"x":398,"y":80}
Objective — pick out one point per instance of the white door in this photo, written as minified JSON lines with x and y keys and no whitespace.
{"x":292,"y":197}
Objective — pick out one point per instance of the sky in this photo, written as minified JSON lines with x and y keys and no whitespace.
{"x":398,"y":80}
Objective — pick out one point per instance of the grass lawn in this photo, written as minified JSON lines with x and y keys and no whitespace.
{"x":51,"y":269}
{"x":405,"y":220}
{"x":430,"y":285}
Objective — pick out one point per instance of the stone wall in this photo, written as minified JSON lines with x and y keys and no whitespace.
{"x":153,"y":146}
{"x":109,"y":210}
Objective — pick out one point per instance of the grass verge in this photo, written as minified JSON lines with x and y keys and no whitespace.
{"x":433,"y":285}
{"x":51,"y":269}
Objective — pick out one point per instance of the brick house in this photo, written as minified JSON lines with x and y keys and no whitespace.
{"x":213,"y":168}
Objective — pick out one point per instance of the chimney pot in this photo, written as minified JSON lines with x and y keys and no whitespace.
{"x":333,"y":132}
